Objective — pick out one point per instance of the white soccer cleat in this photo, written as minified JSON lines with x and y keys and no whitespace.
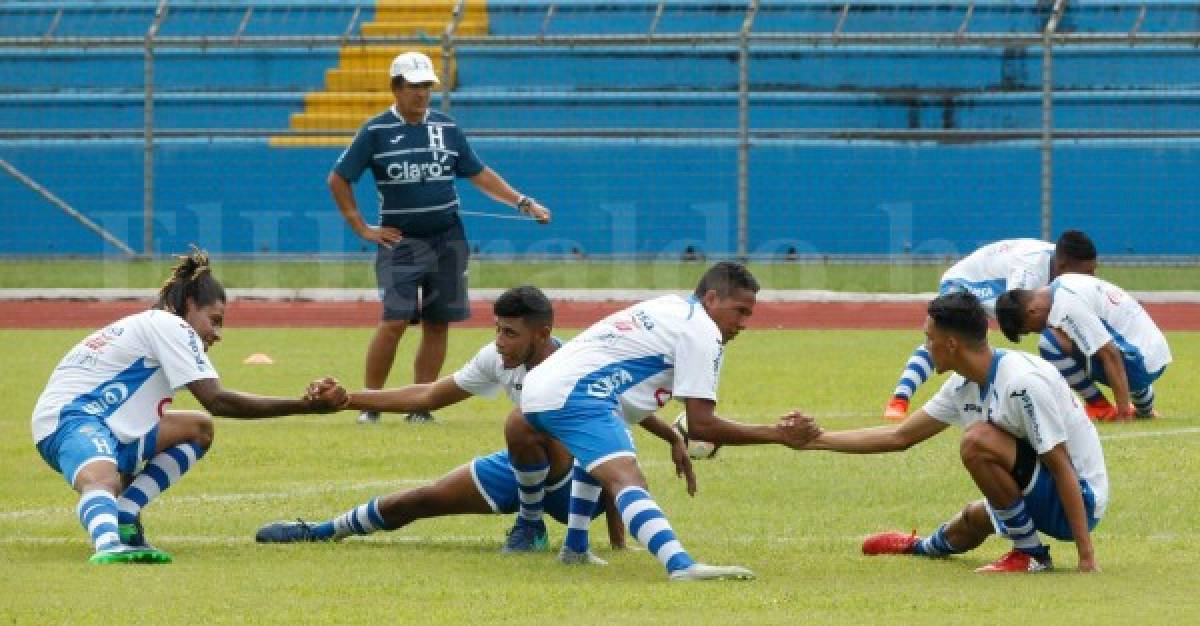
{"x":700,"y":571}
{"x":571,"y":557}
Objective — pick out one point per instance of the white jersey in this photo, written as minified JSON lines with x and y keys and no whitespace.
{"x":1093,"y":312}
{"x":1027,"y":398}
{"x":124,"y":375}
{"x":999,"y":267}
{"x":645,"y":354}
{"x":485,"y":375}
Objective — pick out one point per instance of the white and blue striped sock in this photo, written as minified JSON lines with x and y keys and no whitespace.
{"x":1071,"y":369}
{"x":164,"y":470}
{"x":1018,"y":526}
{"x":935,"y":545}
{"x":650,"y":527}
{"x":531,"y":491}
{"x":363,"y":519}
{"x":97,"y":512}
{"x":585,"y":494}
{"x":916,"y":372}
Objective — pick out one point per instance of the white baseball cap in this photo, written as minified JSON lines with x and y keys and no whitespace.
{"x":414,"y":67}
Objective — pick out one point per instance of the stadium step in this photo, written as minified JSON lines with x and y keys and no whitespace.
{"x":429,"y":26}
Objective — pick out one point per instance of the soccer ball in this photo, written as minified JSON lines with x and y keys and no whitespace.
{"x":697,"y":449}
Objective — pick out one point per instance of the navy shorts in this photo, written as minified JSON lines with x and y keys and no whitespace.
{"x":494,"y":478}
{"x":78,"y":442}
{"x":1045,"y":507}
{"x":425,"y":278}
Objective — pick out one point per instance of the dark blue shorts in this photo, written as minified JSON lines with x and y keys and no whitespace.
{"x":425,"y":278}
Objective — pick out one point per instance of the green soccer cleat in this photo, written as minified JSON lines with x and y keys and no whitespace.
{"x":129,"y":554}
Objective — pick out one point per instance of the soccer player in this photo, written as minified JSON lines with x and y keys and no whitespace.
{"x":104,"y":410}
{"x":989,"y":272}
{"x":1093,"y":332}
{"x":1026,"y":443}
{"x":414,"y":154}
{"x":658,"y":348}
{"x":524,"y":323}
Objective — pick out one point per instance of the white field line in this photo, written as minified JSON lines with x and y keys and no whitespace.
{"x":487,"y":295}
{"x":328,"y":487}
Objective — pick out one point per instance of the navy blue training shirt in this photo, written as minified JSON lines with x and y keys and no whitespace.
{"x":414,"y":166}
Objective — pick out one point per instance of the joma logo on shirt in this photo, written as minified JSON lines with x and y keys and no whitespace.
{"x":608,"y":385}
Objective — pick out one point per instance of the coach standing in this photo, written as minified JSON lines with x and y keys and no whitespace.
{"x":415,"y":154}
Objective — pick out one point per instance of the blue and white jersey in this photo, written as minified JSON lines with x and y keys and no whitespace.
{"x":1093,"y":312}
{"x":485,"y":375}
{"x":414,"y":166}
{"x":1027,"y":398}
{"x":644,"y":354}
{"x":999,"y":267}
{"x":124,"y":374}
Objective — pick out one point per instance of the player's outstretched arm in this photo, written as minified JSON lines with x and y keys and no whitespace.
{"x":703,"y":424}
{"x":412,"y":398}
{"x":612,"y":519}
{"x":679,"y":454}
{"x":1058,"y":462}
{"x":1114,"y":371}
{"x":913,"y":430}
{"x":223,"y":402}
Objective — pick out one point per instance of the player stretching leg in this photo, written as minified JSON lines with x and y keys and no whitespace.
{"x":103,"y":410}
{"x":989,"y":272}
{"x":1027,"y":444}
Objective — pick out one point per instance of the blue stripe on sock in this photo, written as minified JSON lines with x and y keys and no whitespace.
{"x":196,"y":450}
{"x":530,"y":489}
{"x":159,"y":476}
{"x":354,"y":524}
{"x":576,"y":540}
{"x":374,"y":515}
{"x":918,"y":371}
{"x":661,"y":537}
{"x":181,"y":458}
{"x":679,"y":561}
{"x":137,"y":496}
{"x":631,"y":495}
{"x":907,"y":384}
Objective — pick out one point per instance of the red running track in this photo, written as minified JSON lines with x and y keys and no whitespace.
{"x":569,"y":314}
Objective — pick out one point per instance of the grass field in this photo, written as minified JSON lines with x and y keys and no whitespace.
{"x":117,"y":273}
{"x":795,"y":518}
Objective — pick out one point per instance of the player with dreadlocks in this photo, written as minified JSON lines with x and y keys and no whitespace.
{"x":104,"y":410}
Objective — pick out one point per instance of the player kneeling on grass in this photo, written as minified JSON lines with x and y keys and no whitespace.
{"x":1027,"y":443}
{"x":103,"y":410}
{"x":1093,"y":332}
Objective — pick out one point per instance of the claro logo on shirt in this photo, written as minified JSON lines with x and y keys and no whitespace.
{"x":110,"y":396}
{"x":416,"y":171}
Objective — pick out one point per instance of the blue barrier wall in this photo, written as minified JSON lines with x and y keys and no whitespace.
{"x":647,"y":197}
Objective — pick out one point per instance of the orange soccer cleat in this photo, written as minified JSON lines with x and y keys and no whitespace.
{"x":891,"y":542}
{"x":896,"y":410}
{"x":1017,"y":561}
{"x":1100,"y":410}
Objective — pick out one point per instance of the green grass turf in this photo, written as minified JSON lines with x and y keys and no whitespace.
{"x":116,"y":273}
{"x":795,"y":518}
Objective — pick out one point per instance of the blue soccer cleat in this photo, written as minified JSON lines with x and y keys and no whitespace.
{"x":524,"y":537}
{"x":298,"y":531}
